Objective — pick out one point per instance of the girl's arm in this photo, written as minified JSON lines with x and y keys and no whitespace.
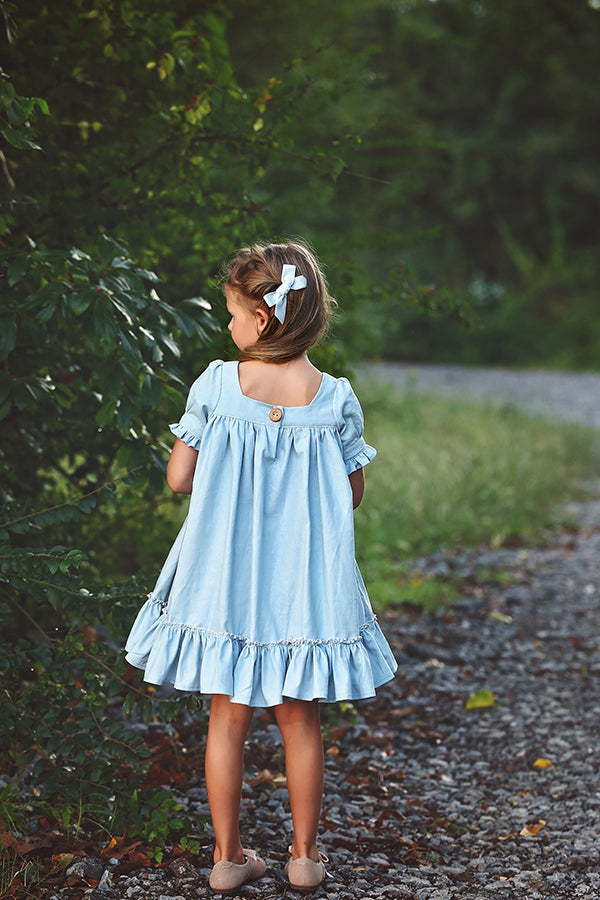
{"x":357,"y":483}
{"x":180,"y":468}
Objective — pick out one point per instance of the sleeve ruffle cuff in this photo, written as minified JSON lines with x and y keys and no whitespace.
{"x":188,"y":430}
{"x":360,"y":458}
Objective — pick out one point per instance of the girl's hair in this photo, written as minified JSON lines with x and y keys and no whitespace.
{"x":255,"y":271}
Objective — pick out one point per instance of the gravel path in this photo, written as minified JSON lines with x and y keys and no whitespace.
{"x":570,"y":396}
{"x":425,"y":798}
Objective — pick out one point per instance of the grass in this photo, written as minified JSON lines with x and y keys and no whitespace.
{"x":451,"y":474}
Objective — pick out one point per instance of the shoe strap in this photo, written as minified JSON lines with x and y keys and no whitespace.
{"x":250,"y":854}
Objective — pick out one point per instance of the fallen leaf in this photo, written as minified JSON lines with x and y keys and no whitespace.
{"x":333,"y":751}
{"x":62,"y":860}
{"x":131,"y":860}
{"x":481,"y":699}
{"x":266,"y":776}
{"x":500,"y":616}
{"x":118,"y":847}
{"x":338,"y":732}
{"x":403,"y":711}
{"x":542,"y":763}
{"x":261,"y":777}
{"x":114,"y":842}
{"x":531,"y":830}
{"x":33,"y":843}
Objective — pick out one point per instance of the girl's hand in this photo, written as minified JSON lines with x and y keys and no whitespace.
{"x":181,"y":467}
{"x":357,"y":483}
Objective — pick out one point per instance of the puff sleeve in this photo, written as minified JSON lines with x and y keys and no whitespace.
{"x":202,"y":399}
{"x":356,"y":452}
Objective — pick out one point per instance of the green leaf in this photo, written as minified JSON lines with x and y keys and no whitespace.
{"x":45,"y":314}
{"x":42,"y":106}
{"x":168,"y":63}
{"x":168,"y":342}
{"x":122,"y":262}
{"x":151,"y":391}
{"x":481,"y":699}
{"x":7,"y":93}
{"x":130,"y":346}
{"x":185,"y":324}
{"x":17,"y":139}
{"x":78,"y":255}
{"x":79,"y":301}
{"x":124,"y":416}
{"x":109,"y":249}
{"x":197,"y":302}
{"x":106,"y":413}
{"x":17,"y":270}
{"x":50,"y":292}
{"x":87,"y":504}
{"x":104,"y":320}
{"x":148,"y":276}
{"x":8,"y":336}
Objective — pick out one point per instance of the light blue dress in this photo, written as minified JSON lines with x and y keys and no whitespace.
{"x":260,"y":597}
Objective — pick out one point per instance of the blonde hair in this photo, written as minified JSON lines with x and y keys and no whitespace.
{"x":255,"y":271}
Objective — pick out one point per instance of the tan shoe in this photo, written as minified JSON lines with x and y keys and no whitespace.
{"x":226,"y":877}
{"x":305,"y":874}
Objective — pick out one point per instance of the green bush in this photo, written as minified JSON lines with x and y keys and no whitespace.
{"x":90,"y":373}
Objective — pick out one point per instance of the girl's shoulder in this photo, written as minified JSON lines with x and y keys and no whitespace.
{"x":210,"y":379}
{"x":345,"y":401}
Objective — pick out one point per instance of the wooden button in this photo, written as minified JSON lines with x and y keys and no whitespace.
{"x":275,"y":414}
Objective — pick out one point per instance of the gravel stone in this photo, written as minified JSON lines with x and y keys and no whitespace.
{"x":86,"y":867}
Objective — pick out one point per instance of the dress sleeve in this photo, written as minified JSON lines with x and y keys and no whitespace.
{"x":202,"y":399}
{"x":356,"y":452}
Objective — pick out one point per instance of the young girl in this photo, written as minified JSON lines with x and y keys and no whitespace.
{"x":260,"y":602}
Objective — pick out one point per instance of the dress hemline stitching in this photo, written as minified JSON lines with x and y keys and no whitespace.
{"x":292,"y":642}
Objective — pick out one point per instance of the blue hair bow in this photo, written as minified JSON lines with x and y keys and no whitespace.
{"x":278,"y":298}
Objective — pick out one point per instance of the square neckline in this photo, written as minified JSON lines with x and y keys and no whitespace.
{"x":279,"y":405}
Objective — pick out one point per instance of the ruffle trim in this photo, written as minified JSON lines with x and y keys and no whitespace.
{"x":258,"y":674}
{"x":360,"y":459}
{"x":180,"y":430}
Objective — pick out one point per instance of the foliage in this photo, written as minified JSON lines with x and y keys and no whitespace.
{"x":149,"y":135}
{"x":89,"y":361}
{"x":91,"y":370}
{"x":148,"y":144}
{"x":469,"y":157}
{"x":86,"y":341}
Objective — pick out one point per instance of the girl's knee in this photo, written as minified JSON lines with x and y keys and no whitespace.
{"x":223,"y":709}
{"x":298,"y":713}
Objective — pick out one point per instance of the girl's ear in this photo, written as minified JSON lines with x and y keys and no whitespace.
{"x":262,"y":319}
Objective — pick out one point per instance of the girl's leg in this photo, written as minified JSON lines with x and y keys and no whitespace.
{"x":224,"y":764}
{"x":300,"y":726}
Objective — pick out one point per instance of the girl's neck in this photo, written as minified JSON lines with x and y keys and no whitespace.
{"x":294,"y":383}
